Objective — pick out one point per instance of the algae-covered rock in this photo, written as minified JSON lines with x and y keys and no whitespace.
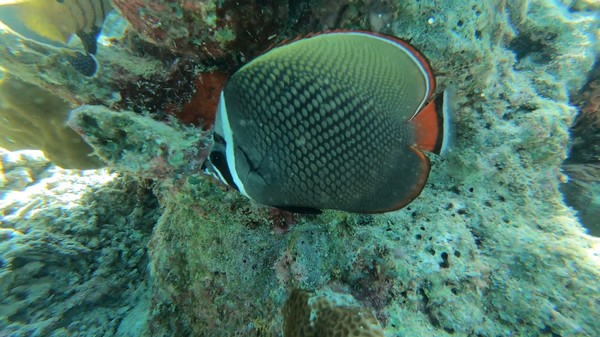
{"x":435,"y":266}
{"x":140,"y":145}
{"x":33,"y":118}
{"x":68,"y":269}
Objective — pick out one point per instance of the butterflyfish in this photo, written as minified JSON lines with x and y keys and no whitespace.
{"x":54,"y":22}
{"x":338,"y":120}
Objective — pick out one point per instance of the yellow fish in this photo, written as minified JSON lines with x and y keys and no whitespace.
{"x":53,"y":22}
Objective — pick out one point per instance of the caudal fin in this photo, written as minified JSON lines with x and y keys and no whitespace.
{"x":434,"y":125}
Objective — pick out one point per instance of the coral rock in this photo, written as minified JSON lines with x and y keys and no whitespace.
{"x":204,"y":28}
{"x":327,"y":315}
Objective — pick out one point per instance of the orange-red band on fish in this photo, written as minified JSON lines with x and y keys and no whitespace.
{"x":429,"y":127}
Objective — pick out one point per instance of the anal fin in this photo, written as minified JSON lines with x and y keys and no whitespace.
{"x":300,"y":210}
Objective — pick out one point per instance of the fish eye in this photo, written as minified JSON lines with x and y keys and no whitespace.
{"x":216,"y":165}
{"x":216,"y":157}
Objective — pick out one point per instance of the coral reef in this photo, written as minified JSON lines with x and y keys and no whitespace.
{"x":120,"y":139}
{"x":472,"y":256}
{"x":306,"y":316}
{"x":207,"y":30}
{"x":67,"y":268}
{"x":488,"y":249}
{"x":226,"y":34}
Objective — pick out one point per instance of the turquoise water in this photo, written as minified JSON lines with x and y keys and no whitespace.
{"x":110,"y":227}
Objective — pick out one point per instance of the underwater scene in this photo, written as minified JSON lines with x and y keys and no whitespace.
{"x":300,"y":168}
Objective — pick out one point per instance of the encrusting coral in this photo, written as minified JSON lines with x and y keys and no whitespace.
{"x":318,"y":316}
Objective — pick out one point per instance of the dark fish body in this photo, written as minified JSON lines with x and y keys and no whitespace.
{"x":53,"y":22}
{"x":333,"y":121}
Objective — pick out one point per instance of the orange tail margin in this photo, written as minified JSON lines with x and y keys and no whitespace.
{"x":432,"y":125}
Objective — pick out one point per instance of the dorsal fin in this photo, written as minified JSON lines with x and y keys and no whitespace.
{"x":404,"y":44}
{"x":291,"y":40}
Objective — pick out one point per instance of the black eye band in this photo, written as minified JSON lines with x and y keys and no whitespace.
{"x":217,"y":161}
{"x":218,"y":139}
